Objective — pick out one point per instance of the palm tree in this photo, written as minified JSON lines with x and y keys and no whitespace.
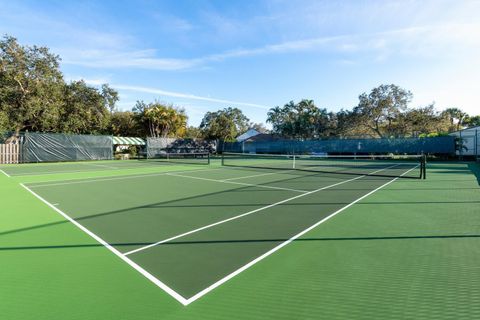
{"x":164,"y":120}
{"x":457,"y":117}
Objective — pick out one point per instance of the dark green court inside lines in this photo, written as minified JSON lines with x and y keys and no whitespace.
{"x":409,"y":250}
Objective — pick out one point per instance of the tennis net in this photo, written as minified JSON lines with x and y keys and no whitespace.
{"x":405,"y":166}
{"x":179,"y":157}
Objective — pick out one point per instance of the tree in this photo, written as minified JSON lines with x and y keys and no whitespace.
{"x":260,"y":127}
{"x":457,"y":118}
{"x":301,"y":120}
{"x":30,"y":86}
{"x":34,"y":96}
{"x":86,"y":109}
{"x":225,"y":124}
{"x":347,"y":124}
{"x":110,"y":97}
{"x":124,"y":123}
{"x":380,"y":111}
{"x":473,"y":121}
{"x":193,"y":133}
{"x":3,"y":122}
{"x":424,"y":121}
{"x":160,"y":120}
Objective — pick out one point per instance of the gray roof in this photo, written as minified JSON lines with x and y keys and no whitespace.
{"x":247,"y":135}
{"x":466,"y":129}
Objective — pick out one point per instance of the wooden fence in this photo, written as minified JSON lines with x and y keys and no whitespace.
{"x":9,"y":153}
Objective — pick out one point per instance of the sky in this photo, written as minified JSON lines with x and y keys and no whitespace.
{"x":207,"y":55}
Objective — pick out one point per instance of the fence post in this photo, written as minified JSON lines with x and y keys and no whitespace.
{"x":424,"y":165}
{"x":476,"y":144}
{"x":460,"y":155}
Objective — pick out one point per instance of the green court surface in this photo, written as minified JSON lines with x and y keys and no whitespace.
{"x":156,"y":240}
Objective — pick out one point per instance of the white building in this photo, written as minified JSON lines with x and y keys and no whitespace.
{"x":470,"y":139}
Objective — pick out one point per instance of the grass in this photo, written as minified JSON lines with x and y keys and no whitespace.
{"x":409,"y":251}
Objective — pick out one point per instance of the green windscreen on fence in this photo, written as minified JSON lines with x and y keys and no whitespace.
{"x":46,"y":147}
{"x":437,"y":145}
{"x":405,"y":166}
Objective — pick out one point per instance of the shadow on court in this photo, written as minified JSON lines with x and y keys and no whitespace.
{"x":176,"y":202}
{"x":158,"y":205}
{"x":207,"y":242}
{"x":169,"y":204}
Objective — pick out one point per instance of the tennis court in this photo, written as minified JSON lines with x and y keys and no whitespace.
{"x":190,"y":229}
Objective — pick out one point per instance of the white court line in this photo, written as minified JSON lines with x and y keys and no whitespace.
{"x":145,"y":273}
{"x":5,"y":173}
{"x":58,"y":172}
{"x":248,"y":213}
{"x":239,"y":183}
{"x":283,"y":244}
{"x":42,"y":173}
{"x":253,"y":175}
{"x":133,"y":176}
{"x":98,"y":165}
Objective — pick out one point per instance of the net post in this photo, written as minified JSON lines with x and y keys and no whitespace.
{"x":424,"y":166}
{"x":293,"y":164}
{"x":208,"y":157}
{"x":223,"y":159}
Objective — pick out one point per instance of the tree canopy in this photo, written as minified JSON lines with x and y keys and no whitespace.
{"x":30,"y":86}
{"x":34,"y":96}
{"x":473,"y":121}
{"x":301,"y":120}
{"x":382,"y":113}
{"x":125,"y":123}
{"x":161,"y":120}
{"x":225,"y":124}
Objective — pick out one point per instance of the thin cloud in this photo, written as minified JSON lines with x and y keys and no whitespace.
{"x":145,"y":59}
{"x":161,"y":92}
{"x":413,"y":40}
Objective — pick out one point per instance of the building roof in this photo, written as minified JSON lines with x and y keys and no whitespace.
{"x":466,"y":129}
{"x":265,"y":137}
{"x":247,"y":135}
